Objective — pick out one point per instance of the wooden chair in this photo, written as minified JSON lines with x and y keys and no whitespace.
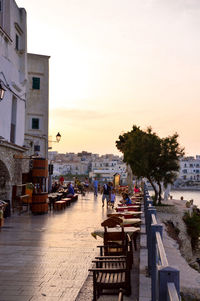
{"x":116,"y":243}
{"x":109,"y":275}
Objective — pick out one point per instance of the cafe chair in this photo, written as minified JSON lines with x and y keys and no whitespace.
{"x":109,"y":275}
{"x":116,"y":243}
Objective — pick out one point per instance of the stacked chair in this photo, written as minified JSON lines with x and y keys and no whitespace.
{"x":111,"y":271}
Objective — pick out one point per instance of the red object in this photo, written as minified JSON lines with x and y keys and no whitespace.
{"x":61,"y":180}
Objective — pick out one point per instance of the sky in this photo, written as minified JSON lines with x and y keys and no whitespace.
{"x":115,"y":63}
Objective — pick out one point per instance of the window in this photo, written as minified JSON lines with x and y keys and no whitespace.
{"x":36,"y":148}
{"x":13,"y":120}
{"x":17,"y":42}
{"x":36,"y":83}
{"x":35,"y":123}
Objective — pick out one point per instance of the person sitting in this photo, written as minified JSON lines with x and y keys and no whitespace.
{"x":126,"y":199}
{"x":136,"y":189}
{"x":55,"y":187}
{"x":70,"y":190}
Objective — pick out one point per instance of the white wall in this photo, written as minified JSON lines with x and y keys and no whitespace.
{"x":38,"y":103}
{"x":13,"y":68}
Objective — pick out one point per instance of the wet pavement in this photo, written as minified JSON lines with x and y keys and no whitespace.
{"x":46,"y":257}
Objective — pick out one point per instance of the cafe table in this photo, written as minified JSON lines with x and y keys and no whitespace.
{"x":127,"y":208}
{"x":126,"y":214}
{"x":131,"y":231}
{"x":130,"y":221}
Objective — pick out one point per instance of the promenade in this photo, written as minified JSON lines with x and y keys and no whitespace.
{"x":46,"y":257}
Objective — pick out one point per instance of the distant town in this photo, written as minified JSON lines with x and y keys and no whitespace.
{"x":104,"y":167}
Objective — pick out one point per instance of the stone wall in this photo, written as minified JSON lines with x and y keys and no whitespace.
{"x":11,"y":169}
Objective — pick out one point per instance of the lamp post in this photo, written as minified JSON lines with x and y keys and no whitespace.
{"x":58,"y":137}
{"x":2,"y":91}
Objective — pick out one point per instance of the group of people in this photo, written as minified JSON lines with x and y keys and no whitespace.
{"x":107,"y":190}
{"x":109,"y":194}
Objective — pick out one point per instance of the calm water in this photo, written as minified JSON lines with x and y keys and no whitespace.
{"x":187,"y":195}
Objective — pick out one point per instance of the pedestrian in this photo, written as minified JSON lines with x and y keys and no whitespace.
{"x":86,"y":184}
{"x":112,"y":198}
{"x":106,"y":194}
{"x":95,"y":186}
{"x":61,"y":180}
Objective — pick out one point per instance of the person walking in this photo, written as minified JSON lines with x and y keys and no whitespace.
{"x":106,"y":194}
{"x":95,"y":186}
{"x":112,"y":198}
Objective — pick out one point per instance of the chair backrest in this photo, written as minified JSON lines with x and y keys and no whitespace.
{"x":112,"y":222}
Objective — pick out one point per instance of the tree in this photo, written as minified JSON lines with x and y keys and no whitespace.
{"x":151,"y":157}
{"x":168,"y":162}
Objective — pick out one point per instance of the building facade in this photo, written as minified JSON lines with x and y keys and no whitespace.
{"x":13,"y":78}
{"x":190,"y":169}
{"x":37,"y":105}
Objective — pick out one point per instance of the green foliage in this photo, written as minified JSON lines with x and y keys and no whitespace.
{"x":150,"y":156}
{"x":193,"y":226}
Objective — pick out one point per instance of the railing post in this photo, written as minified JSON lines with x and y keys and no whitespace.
{"x":152,"y":258}
{"x":147,"y":219}
{"x":150,"y":211}
{"x":165,"y":275}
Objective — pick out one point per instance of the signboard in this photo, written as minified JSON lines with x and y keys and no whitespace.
{"x":116,"y":180}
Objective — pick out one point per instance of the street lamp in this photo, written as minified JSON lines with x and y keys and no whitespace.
{"x":2,"y":91}
{"x":58,"y":137}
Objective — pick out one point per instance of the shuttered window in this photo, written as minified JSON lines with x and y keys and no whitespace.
{"x":35,"y":123}
{"x":36,"y":83}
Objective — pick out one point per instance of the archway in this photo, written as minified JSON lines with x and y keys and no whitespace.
{"x":5,"y":183}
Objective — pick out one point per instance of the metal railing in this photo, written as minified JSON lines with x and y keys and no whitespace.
{"x":165,"y":283}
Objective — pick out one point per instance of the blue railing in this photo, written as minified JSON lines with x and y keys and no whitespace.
{"x":165,"y":283}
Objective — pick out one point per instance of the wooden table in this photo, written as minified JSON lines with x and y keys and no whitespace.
{"x":131,"y":231}
{"x":128,"y":208}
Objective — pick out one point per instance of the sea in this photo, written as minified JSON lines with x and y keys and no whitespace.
{"x":186,"y":194}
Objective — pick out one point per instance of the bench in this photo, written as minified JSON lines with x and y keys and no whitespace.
{"x":67,"y":200}
{"x":59,"y":205}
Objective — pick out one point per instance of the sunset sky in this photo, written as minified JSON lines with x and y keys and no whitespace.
{"x":115,"y":63}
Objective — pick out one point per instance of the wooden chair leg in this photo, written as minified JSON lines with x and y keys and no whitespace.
{"x":94,"y":287}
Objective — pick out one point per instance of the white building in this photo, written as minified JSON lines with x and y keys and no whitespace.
{"x":74,"y":168}
{"x":13,"y":78}
{"x":190,"y":169}
{"x":37,"y":108}
{"x":13,"y":71}
{"x":105,"y":168}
